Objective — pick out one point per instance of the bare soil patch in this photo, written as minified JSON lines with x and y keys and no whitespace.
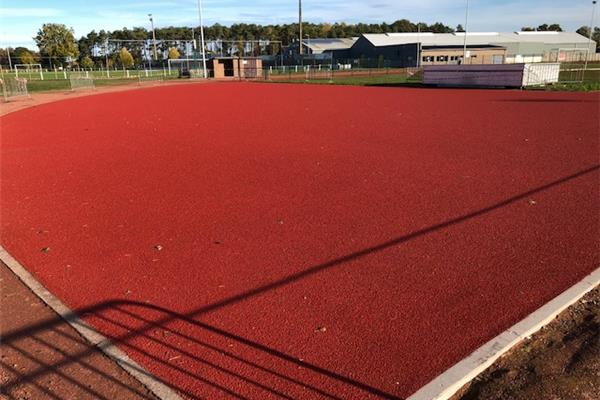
{"x":561,"y":361}
{"x":38,"y":98}
{"x":41,"y":356}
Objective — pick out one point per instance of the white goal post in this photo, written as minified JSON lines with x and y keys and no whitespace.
{"x":28,"y":69}
{"x":317,"y":73}
{"x":14,"y":87}
{"x":81,"y":81}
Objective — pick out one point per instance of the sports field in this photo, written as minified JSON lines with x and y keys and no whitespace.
{"x":243,"y":240}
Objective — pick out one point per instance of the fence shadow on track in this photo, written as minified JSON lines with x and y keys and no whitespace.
{"x":182,"y":347}
{"x":188,"y":349}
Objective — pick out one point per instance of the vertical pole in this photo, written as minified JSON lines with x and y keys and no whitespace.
{"x":9,"y":61}
{"x":300,"y":50}
{"x":466,"y":30}
{"x":153,"y":36}
{"x":587,"y":54}
{"x":418,"y":43}
{"x":106,"y":57}
{"x":202,"y":38}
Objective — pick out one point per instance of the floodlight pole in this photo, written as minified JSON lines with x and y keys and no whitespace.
{"x":587,"y":53}
{"x":202,"y":38}
{"x":418,"y":44}
{"x":466,"y":30}
{"x":9,"y":61}
{"x":153,"y":36}
{"x":106,"y":57}
{"x":300,"y":50}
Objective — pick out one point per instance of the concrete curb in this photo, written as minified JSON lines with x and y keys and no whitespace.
{"x":98,"y":340}
{"x":448,"y":383}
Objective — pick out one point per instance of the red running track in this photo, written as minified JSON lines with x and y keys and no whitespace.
{"x":313,"y":241}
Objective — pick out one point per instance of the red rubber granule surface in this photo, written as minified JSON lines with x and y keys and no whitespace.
{"x":298,"y":241}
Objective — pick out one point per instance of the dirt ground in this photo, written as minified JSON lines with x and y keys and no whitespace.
{"x":37,"y":98}
{"x":561,"y":361}
{"x":42,"y":357}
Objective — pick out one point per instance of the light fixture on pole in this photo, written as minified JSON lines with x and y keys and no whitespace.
{"x":202,"y":39}
{"x":587,"y":53}
{"x":465,"y":33}
{"x":153,"y":36}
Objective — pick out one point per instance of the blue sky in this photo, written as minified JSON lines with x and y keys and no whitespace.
{"x":20,"y":19}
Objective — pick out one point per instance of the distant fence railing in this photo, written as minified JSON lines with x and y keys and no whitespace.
{"x":77,"y":80}
{"x":134,"y":74}
{"x":311,"y":73}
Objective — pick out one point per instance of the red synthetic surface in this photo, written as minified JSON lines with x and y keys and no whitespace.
{"x":317,"y":241}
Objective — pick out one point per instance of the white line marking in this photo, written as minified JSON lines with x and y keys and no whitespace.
{"x":449,"y":382}
{"x":95,"y":338}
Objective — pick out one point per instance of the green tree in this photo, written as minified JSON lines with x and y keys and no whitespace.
{"x":543,"y":28}
{"x":555,"y":28}
{"x":26,"y":58}
{"x":240,"y":48}
{"x":86,"y":62}
{"x":174,"y":53}
{"x":438,"y":27}
{"x":125,"y":58}
{"x":585,"y":31}
{"x":57,"y":42}
{"x":459,"y":28}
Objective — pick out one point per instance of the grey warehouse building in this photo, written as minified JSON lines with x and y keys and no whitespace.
{"x":415,"y":49}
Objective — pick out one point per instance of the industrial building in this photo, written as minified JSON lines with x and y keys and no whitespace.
{"x":338,"y":48}
{"x":320,"y":51}
{"x":426,"y":48}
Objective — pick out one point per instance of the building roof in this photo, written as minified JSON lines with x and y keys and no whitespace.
{"x":473,"y":38}
{"x":320,"y":45}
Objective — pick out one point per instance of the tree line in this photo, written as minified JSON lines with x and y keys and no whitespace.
{"x":58,"y":45}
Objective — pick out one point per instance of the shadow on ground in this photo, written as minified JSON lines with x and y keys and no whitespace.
{"x":203,"y":361}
